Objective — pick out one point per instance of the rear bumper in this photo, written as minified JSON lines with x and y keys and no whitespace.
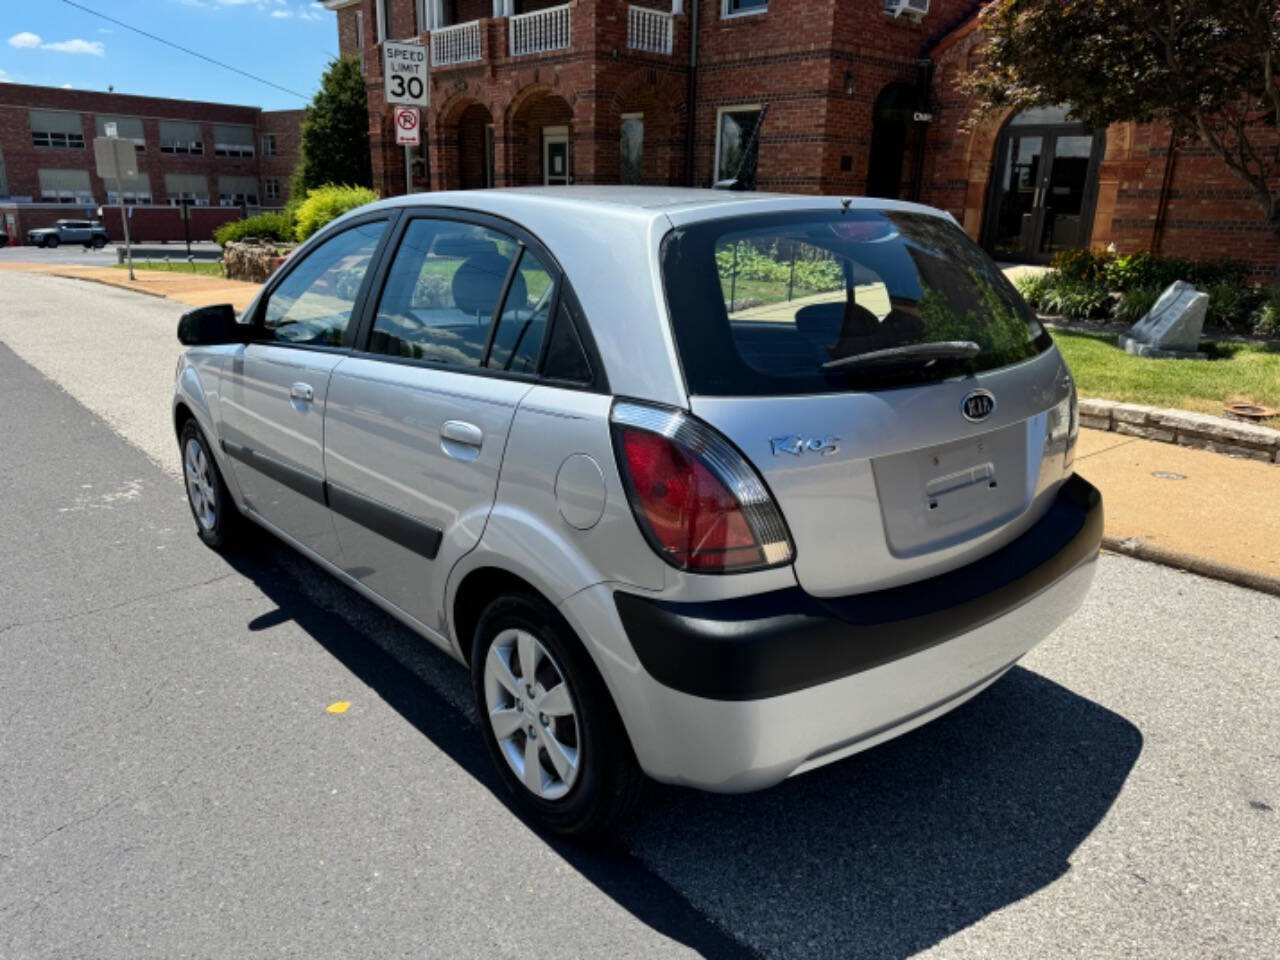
{"x":738,"y":694}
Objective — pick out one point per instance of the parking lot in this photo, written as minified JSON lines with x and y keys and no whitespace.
{"x":171,"y":783}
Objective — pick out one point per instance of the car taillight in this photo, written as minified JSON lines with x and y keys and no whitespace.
{"x":700,"y":504}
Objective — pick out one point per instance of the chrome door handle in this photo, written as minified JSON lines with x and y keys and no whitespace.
{"x":459,"y":431}
{"x":302,"y":391}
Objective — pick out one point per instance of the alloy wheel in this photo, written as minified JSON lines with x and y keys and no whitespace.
{"x":200,"y":485}
{"x":532,"y":714}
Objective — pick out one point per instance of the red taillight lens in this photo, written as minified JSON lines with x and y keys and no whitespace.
{"x":700,"y":504}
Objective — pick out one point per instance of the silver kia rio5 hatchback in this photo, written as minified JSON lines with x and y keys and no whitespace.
{"x":714,"y":487}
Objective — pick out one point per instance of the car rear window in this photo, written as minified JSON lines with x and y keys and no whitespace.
{"x":760,"y":304}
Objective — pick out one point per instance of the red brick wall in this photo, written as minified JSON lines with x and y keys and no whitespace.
{"x":148,"y":224}
{"x":348,"y":43}
{"x":286,"y":125}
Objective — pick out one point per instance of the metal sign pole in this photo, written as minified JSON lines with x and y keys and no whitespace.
{"x":124,"y":215}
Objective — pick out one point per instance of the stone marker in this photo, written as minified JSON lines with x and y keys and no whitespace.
{"x":1173,"y":326}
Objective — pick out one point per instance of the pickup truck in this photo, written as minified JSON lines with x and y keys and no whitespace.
{"x":91,"y":233}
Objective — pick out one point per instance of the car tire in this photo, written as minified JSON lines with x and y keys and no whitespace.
{"x":218,"y":522}
{"x":51,"y":243}
{"x":99,"y":243}
{"x":587,"y":778}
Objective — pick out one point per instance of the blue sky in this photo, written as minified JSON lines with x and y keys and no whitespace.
{"x":288,"y":42}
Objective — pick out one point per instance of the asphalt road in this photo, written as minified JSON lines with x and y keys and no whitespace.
{"x":172,"y":786}
{"x":72,"y":254}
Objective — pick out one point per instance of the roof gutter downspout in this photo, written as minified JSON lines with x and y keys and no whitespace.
{"x":1166,"y":188}
{"x":691,"y":95}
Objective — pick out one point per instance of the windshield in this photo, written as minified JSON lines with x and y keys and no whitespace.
{"x":766,"y":304}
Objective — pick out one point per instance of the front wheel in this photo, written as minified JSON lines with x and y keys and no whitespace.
{"x":548,"y":721}
{"x":217,"y":520}
{"x":51,"y":243}
{"x":99,"y":243}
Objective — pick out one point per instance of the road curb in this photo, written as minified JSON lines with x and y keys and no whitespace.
{"x":1139,"y":550}
{"x":107,"y":283}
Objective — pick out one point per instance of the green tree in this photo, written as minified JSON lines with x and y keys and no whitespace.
{"x":1208,"y":68}
{"x":335,"y":133}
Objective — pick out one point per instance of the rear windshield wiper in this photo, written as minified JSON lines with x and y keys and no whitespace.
{"x":922,"y":353}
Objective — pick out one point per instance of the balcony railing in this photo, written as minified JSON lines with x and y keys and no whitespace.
{"x":541,"y":31}
{"x":457,"y":44}
{"x":649,"y":30}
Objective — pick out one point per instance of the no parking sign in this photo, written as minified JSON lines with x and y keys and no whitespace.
{"x":408,"y":127}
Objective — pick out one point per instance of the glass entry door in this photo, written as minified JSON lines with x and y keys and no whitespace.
{"x":1044,"y":189}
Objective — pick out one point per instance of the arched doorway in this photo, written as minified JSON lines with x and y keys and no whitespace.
{"x":1044,"y":186}
{"x":540,"y":135}
{"x":893,"y":140}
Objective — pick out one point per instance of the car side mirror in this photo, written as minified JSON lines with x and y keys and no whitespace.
{"x":211,"y":326}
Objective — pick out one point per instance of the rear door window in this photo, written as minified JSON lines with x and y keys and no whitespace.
{"x":441,"y":293}
{"x":767,"y":304}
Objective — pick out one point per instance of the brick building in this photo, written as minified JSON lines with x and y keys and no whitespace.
{"x":831,"y":96}
{"x":220,"y":158}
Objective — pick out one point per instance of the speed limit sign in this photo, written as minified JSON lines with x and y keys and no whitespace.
{"x":404,"y":67}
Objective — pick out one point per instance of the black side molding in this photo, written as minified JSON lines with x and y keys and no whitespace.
{"x":409,"y":532}
{"x":297,"y":480}
{"x":398,"y":527}
{"x":775,"y":643}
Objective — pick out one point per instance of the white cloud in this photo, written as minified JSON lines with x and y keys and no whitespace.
{"x":93,"y":48}
{"x":32,"y":41}
{"x":67,"y":86}
{"x":281,"y":14}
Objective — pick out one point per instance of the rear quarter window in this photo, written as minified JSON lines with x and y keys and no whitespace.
{"x":760,"y":304}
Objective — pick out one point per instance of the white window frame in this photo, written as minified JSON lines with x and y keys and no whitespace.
{"x":728,"y":13}
{"x":197,"y":199}
{"x":131,"y":198}
{"x":380,"y":17}
{"x":271,"y":188}
{"x":359,"y":29}
{"x":715,"y":159}
{"x":70,"y":141}
{"x":269,"y":145}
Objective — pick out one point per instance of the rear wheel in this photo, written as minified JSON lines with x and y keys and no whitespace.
{"x":217,"y":520}
{"x":548,"y":721}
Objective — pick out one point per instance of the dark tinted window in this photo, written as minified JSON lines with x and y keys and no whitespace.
{"x":517,"y":343}
{"x":566,"y":358}
{"x":441,"y":293}
{"x":760,"y":304}
{"x":313,"y":304}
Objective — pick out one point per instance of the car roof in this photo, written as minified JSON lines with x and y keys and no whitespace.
{"x":637,"y":204}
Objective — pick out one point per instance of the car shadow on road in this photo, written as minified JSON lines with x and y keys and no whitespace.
{"x":881,"y":855}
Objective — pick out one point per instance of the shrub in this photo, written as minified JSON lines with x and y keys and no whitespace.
{"x":327,"y":203}
{"x":1081,"y":266}
{"x":1135,"y":303}
{"x":1267,"y":319}
{"x":1153,"y":270}
{"x":1078,"y":301}
{"x":1034,"y":287}
{"x":1230,"y":305}
{"x":268,"y":226}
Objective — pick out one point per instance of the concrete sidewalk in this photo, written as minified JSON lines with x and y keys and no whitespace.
{"x":193,"y":289}
{"x":1205,"y":512}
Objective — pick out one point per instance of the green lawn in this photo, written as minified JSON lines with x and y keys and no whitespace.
{"x":207,"y":268}
{"x":1234,"y":372}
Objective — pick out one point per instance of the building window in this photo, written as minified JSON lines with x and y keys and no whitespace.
{"x":359,"y":29}
{"x":268,"y":144}
{"x":65,"y":186}
{"x":232,"y":141}
{"x":237,"y":192}
{"x":192,"y":188}
{"x":383,"y":18}
{"x":131,"y":198}
{"x":181,"y":137}
{"x":57,"y":129}
{"x":742,"y":8}
{"x":737,"y":145}
{"x":632,"y":141}
{"x":127,"y":128}
{"x":271,"y":188}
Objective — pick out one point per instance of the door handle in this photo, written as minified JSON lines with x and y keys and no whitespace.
{"x":303,"y":392}
{"x":459,"y":431}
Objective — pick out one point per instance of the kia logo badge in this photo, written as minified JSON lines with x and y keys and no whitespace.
{"x":978,"y":405}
